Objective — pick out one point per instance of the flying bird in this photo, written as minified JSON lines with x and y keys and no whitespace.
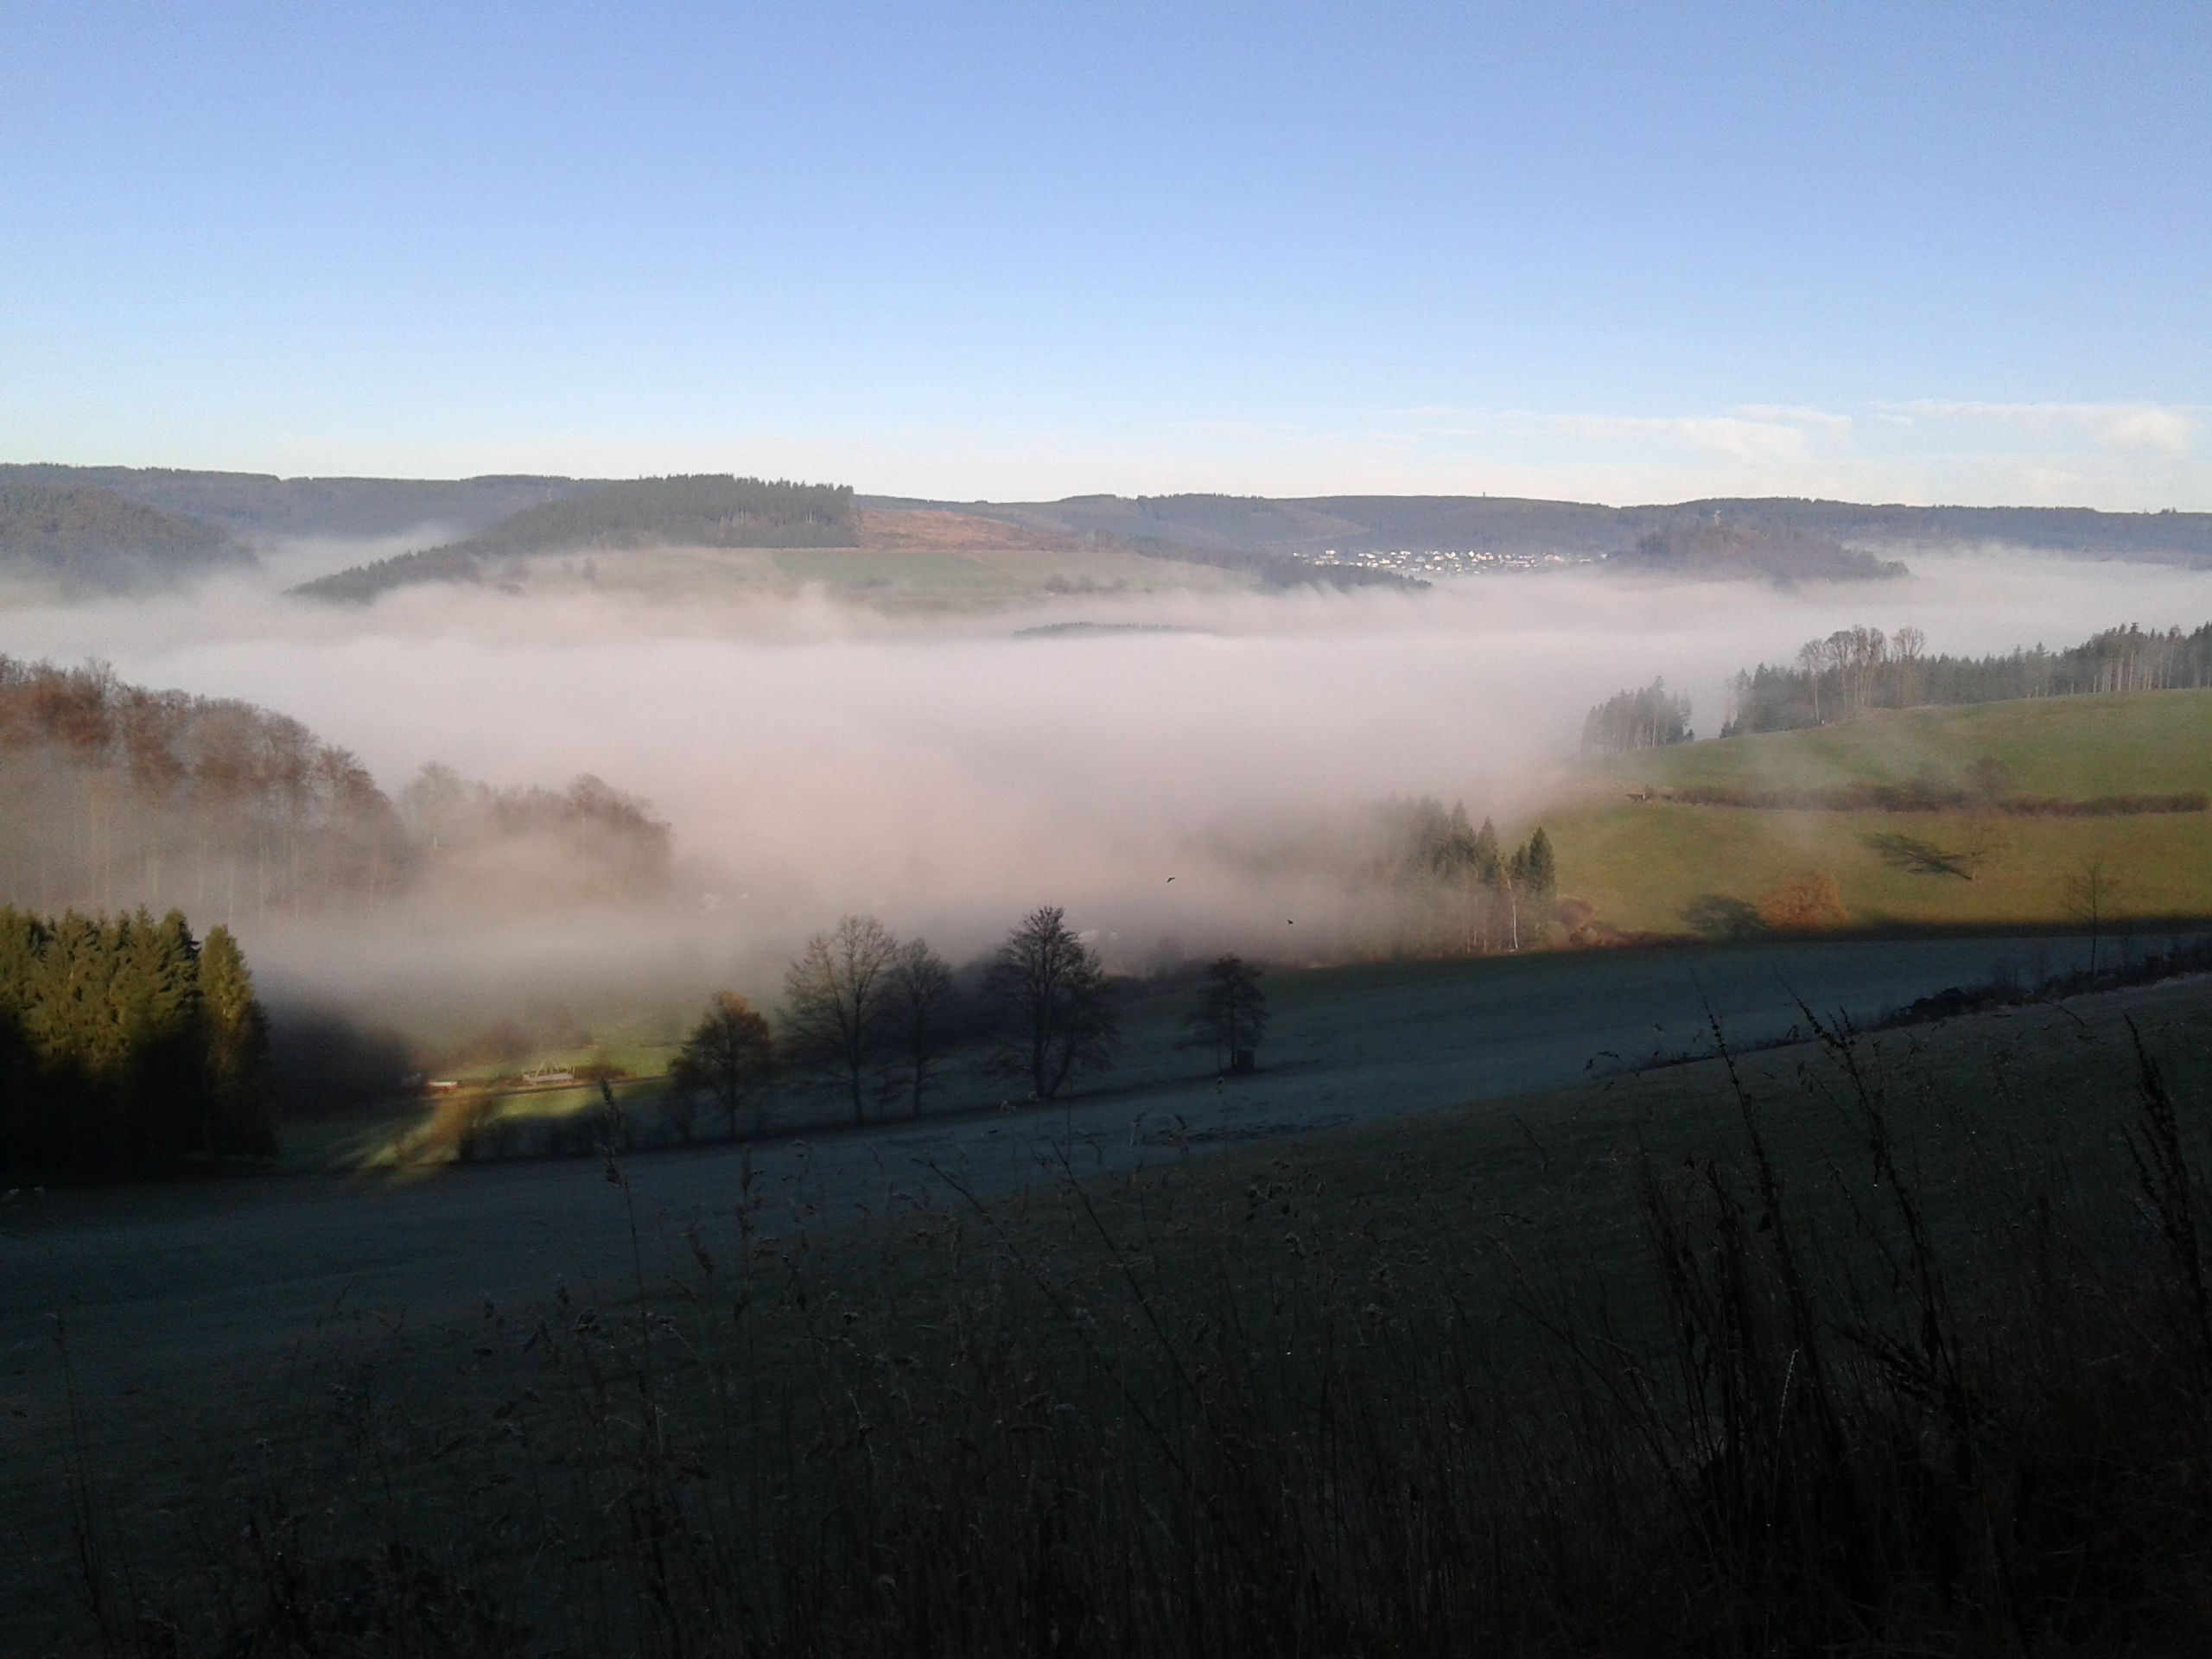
{"x":1171,"y":878}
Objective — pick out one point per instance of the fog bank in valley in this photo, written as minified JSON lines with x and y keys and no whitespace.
{"x":814,"y":759}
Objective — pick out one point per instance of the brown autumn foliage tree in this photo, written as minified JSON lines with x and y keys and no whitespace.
{"x":1804,"y":904}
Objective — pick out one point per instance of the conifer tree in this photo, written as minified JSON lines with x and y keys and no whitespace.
{"x":239,"y":1117}
{"x":123,"y":1046}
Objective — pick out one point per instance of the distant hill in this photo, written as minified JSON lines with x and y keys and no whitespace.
{"x":1271,"y":539}
{"x":1716,"y":547}
{"x":1308,"y":526}
{"x":85,"y":539}
{"x":707,"y":509}
{"x":260,"y":506}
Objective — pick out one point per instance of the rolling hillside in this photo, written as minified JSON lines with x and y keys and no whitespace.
{"x":709,"y":538}
{"x":80,"y":537}
{"x":1999,"y":809}
{"x":260,"y":505}
{"x":708,"y":510}
{"x":1306,"y":526}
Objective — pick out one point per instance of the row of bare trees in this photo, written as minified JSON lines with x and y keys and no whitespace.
{"x":877,"y":1016}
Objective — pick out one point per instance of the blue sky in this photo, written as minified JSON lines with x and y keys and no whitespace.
{"x":1622,"y":252}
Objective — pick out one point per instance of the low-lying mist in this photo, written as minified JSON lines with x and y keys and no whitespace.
{"x":816,"y":758}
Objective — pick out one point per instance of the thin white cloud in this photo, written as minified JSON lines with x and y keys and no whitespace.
{"x":2170,"y":430}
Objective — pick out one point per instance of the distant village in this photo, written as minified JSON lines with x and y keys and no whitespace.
{"x":1475,"y":562}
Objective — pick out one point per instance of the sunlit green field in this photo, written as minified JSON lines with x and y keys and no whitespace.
{"x":1645,"y":864}
{"x":2140,"y":742}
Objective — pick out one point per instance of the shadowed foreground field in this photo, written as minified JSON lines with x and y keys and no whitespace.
{"x":1897,"y":1347}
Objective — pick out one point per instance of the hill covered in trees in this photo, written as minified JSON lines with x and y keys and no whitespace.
{"x":1273,"y":539}
{"x":256,"y":505}
{"x":83,"y":538}
{"x":1720,"y":548}
{"x":708,"y":510}
{"x":1308,"y":526}
{"x":119,"y":795}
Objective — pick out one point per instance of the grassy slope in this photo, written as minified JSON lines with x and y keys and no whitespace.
{"x":1536,"y":1174}
{"x":1641,"y":864}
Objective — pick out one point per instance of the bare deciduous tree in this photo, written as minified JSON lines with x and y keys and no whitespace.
{"x":918,"y":997}
{"x":1050,"y":991}
{"x":836,"y":1000}
{"x":2087,"y":890}
{"x":730,"y":1055}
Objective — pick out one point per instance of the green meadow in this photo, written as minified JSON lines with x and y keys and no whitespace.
{"x":1645,"y":864}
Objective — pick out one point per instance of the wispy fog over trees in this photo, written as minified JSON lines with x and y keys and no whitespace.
{"x":1460,"y":892}
{"x":1649,"y":718}
{"x":1853,"y":670}
{"x":596,"y":841}
{"x":113,"y":795}
{"x":126,"y":1045}
{"x":117,"y":794}
{"x":1714,"y":546}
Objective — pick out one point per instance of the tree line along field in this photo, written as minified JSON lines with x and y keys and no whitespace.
{"x":2022,"y":786}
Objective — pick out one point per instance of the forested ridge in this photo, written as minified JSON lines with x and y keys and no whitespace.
{"x":83,"y":536}
{"x":262,"y":504}
{"x":113,"y":795}
{"x":126,"y":1046}
{"x":706,"y":510}
{"x":1722,"y":547}
{"x":1306,"y":525}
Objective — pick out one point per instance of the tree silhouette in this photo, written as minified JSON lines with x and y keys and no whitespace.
{"x":1230,"y":1014}
{"x":1050,"y":991}
{"x":836,"y":1001}
{"x":918,"y":998}
{"x":730,"y":1055}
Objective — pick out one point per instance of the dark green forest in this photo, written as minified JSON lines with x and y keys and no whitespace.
{"x":1857,"y":669}
{"x":127,"y":1046}
{"x":87,"y":539}
{"x":706,"y":510}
